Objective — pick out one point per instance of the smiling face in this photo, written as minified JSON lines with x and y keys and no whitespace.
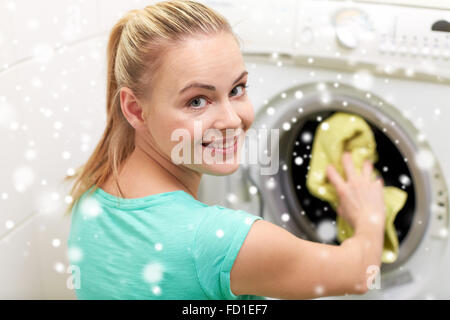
{"x":200,"y":92}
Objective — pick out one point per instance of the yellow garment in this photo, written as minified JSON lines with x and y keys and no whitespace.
{"x":347,"y":132}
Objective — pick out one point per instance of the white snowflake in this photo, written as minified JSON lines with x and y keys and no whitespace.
{"x":219,"y":233}
{"x":326,"y":230}
{"x":298,"y":94}
{"x":75,"y":254}
{"x":153,"y":272}
{"x":298,"y":161}
{"x":90,"y":208}
{"x":424,"y":159}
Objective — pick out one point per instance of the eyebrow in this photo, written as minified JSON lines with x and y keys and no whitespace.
{"x":209,"y":87}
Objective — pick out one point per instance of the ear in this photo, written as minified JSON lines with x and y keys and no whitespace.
{"x":132,"y":109}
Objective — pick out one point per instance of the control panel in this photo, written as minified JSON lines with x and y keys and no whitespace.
{"x":413,"y":38}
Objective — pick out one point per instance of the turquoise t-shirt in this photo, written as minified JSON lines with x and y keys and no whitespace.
{"x":163,"y":246}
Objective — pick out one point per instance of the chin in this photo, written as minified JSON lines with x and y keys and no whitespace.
{"x":221,"y":169}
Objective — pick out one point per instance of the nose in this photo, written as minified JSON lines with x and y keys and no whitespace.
{"x":227,"y":117}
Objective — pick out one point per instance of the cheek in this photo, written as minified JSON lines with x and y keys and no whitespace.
{"x":161,"y":130}
{"x":189,"y":130}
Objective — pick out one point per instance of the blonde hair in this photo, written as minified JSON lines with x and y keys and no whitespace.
{"x":135,"y":52}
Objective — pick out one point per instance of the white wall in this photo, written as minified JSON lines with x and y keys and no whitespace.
{"x":52,"y":113}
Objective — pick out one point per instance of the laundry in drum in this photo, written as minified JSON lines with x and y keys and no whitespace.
{"x":345,"y":132}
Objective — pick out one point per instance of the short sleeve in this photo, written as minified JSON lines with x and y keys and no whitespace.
{"x":217,"y":241}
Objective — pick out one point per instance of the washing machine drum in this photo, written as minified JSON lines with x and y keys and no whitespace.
{"x":296,"y":114}
{"x":392,"y":167}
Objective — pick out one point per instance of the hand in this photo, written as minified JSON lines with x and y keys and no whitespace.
{"x":361,"y":198}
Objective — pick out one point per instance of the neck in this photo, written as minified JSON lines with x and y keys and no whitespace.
{"x":179,"y":176}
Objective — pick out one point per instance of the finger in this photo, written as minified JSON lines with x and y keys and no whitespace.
{"x":349,"y":168}
{"x":335,"y":178}
{"x":380,"y":181}
{"x":367,"y":169}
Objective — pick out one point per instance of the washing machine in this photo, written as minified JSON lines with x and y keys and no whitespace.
{"x":388,"y":63}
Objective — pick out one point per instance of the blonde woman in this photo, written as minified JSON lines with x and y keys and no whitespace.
{"x":138,"y":230}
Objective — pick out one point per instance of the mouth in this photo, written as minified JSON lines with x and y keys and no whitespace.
{"x":222,"y":146}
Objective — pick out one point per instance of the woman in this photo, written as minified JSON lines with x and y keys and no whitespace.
{"x":141,"y":233}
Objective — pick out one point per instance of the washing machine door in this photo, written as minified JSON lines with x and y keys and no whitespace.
{"x":405,"y":161}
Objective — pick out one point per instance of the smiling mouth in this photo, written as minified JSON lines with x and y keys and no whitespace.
{"x":221,"y":145}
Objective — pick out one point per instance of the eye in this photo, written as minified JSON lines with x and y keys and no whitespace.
{"x":196,"y":103}
{"x":243,"y":87}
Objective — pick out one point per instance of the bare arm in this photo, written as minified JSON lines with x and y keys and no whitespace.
{"x":275,"y":263}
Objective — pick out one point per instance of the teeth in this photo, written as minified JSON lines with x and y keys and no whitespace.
{"x":221,"y":145}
